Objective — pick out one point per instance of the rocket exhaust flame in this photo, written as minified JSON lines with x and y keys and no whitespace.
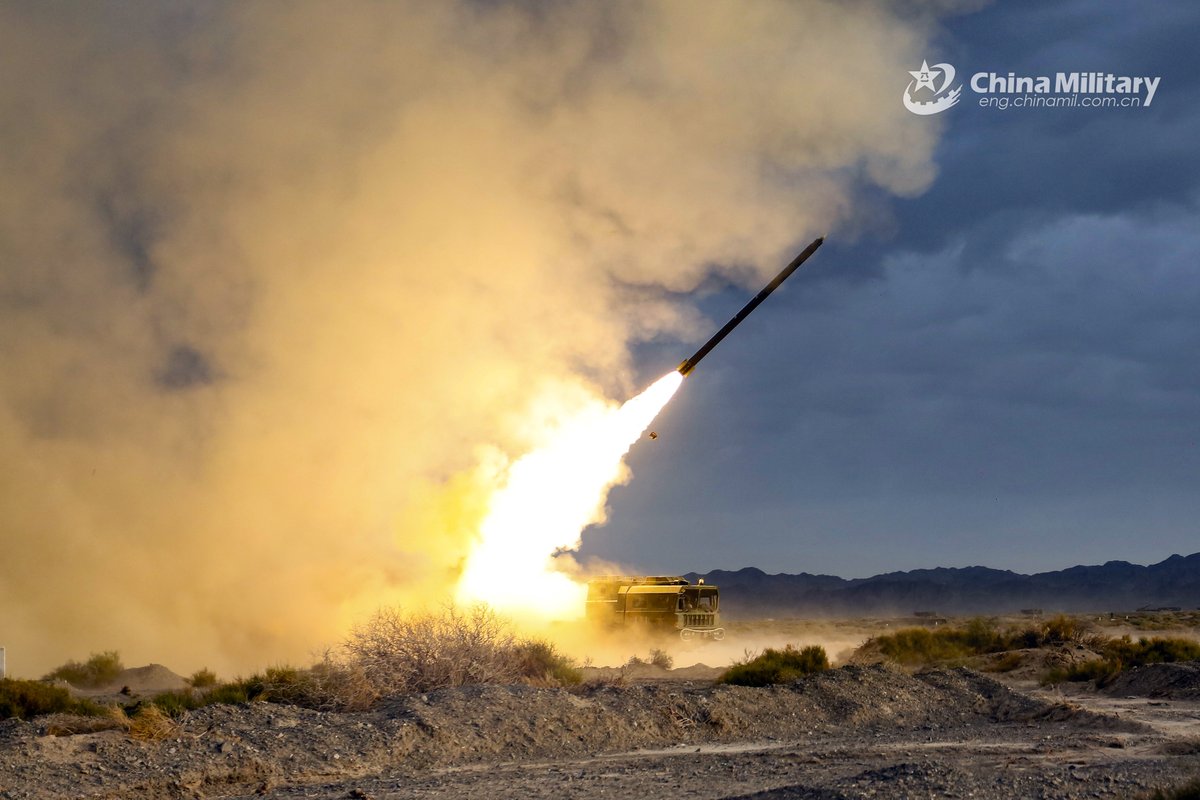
{"x":553,"y":493}
{"x":550,"y":496}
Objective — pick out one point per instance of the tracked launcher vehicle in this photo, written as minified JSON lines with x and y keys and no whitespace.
{"x":656,"y":603}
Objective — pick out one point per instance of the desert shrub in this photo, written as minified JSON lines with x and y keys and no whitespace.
{"x":913,"y":646}
{"x":403,"y":653}
{"x":202,"y":679}
{"x":1156,"y":650}
{"x":982,"y":636}
{"x":151,"y":724}
{"x":227,"y":694}
{"x":1101,"y":670}
{"x":99,"y":670}
{"x":110,"y":718}
{"x":656,"y":658}
{"x":540,"y":662}
{"x":919,"y":646}
{"x":1121,"y":654}
{"x":343,"y":684}
{"x":1067,"y":630}
{"x":278,"y":684}
{"x":26,"y":699}
{"x":776,"y":666}
{"x":285,"y":684}
{"x":175,"y":703}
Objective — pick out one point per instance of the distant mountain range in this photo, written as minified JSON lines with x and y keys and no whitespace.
{"x":1115,"y":586}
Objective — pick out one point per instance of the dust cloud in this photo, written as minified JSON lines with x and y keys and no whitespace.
{"x":285,"y":287}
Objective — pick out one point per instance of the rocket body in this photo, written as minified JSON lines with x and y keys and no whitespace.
{"x":689,"y":364}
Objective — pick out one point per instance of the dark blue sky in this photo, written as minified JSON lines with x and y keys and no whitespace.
{"x":1002,"y":373}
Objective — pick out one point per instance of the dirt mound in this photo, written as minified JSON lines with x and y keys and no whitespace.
{"x":150,"y":678}
{"x":1180,"y":681}
{"x":1030,"y":664}
{"x":271,"y":745}
{"x":651,"y":672}
{"x":136,"y":681}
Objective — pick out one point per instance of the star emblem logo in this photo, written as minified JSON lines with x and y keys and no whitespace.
{"x":939,"y":80}
{"x":924,"y":76}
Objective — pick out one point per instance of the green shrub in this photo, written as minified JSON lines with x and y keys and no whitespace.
{"x":175,"y":703}
{"x":914,"y":646}
{"x":1156,"y":650}
{"x":538,"y":661}
{"x":25,"y":699}
{"x":203,"y":679}
{"x":288,"y":685}
{"x":920,"y":646}
{"x":279,"y":684}
{"x":777,"y":666}
{"x":1121,"y":654}
{"x":99,"y":670}
{"x":227,"y":694}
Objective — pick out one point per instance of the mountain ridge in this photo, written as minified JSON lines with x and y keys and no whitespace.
{"x":1112,"y":586}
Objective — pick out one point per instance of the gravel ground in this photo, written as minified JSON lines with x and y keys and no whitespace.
{"x":850,"y":732}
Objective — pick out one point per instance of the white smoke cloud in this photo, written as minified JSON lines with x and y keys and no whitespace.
{"x":273,"y":276}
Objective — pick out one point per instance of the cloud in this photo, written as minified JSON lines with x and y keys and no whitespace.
{"x":273,"y":279}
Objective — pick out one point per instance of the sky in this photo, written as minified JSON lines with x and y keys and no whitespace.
{"x":286,"y":288}
{"x":1001,"y":372}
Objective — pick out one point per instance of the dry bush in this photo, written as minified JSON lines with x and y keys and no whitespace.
{"x":151,"y":724}
{"x":405,"y":653}
{"x":657,"y":658}
{"x":344,"y":684}
{"x":112,"y":718}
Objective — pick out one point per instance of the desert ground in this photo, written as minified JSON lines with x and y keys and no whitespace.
{"x":859,"y":730}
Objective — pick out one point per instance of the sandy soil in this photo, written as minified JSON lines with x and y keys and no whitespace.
{"x":852,"y":732}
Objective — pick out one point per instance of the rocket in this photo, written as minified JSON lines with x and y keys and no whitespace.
{"x":690,"y":364}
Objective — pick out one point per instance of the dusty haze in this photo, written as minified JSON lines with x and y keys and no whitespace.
{"x":283,"y":287}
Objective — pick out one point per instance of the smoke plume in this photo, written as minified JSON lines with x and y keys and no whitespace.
{"x":284,"y":286}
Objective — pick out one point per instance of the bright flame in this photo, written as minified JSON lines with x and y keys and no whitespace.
{"x":550,"y":496}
